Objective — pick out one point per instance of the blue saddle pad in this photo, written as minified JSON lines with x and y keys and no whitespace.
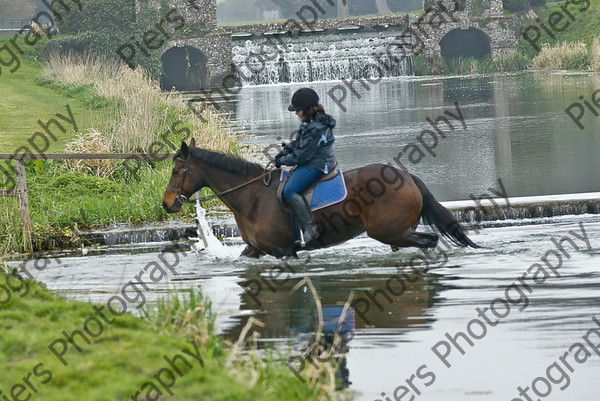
{"x":326,"y":193}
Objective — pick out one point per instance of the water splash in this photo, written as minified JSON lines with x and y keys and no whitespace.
{"x":206,"y":241}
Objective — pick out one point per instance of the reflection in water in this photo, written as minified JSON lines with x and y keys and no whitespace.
{"x":517,"y":129}
{"x":381,"y":301}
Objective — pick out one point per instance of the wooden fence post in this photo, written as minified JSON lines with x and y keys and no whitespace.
{"x":24,"y":201}
{"x":21,"y":189}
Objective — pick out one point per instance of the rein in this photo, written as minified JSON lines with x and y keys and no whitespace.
{"x":181,"y":198}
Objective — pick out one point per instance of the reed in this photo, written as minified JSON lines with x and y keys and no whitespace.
{"x":562,"y":56}
{"x":142,"y":113}
{"x":595,"y":54}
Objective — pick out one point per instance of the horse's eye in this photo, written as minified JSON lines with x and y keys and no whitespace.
{"x":175,"y":171}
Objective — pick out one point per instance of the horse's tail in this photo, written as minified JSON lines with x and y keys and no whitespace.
{"x":436,"y":215}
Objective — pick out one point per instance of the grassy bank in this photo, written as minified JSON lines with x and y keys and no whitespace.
{"x":129,"y":352}
{"x":115,"y":110}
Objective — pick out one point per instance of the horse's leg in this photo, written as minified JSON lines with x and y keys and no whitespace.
{"x":407,"y":238}
{"x":252,"y":252}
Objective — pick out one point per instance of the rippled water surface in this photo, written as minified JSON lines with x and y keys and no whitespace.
{"x":517,"y":129}
{"x":393,"y":340}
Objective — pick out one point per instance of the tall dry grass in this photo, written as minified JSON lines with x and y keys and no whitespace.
{"x":595,"y":55}
{"x":91,"y":141}
{"x":562,"y":56}
{"x":144,"y":112}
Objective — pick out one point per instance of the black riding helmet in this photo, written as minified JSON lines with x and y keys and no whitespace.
{"x":303,"y":99}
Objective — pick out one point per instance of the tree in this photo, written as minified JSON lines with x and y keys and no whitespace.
{"x":343,"y":9}
{"x":382,"y":7}
{"x":110,"y":16}
{"x":20,"y":9}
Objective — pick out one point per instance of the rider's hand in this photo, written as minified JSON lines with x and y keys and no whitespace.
{"x":278,"y":160}
{"x":285,"y":149}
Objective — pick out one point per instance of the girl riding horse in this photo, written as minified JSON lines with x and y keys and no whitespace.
{"x":312,"y":154}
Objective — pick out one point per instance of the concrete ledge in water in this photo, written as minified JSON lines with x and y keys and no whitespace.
{"x":467,"y":212}
{"x":525,"y":207}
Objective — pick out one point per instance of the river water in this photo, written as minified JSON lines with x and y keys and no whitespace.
{"x":393,"y":336}
{"x":517,"y":131}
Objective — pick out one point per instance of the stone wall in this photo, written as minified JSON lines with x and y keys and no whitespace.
{"x":476,"y":8}
{"x":500,"y":30}
{"x":217,"y":49}
{"x":397,"y":21}
{"x":195,"y":12}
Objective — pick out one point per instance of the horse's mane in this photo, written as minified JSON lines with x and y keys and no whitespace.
{"x":225,"y":162}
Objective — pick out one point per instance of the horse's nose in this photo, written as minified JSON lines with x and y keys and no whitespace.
{"x":166,"y":207}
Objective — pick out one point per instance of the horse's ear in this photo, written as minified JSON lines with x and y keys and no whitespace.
{"x":184,"y":149}
{"x":193,"y":142}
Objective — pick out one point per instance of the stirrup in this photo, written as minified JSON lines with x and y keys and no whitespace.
{"x":302,"y":242}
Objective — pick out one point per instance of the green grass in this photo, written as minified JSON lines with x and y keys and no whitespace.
{"x":25,"y":99}
{"x":127,"y":354}
{"x":60,"y":201}
{"x":584,"y":28}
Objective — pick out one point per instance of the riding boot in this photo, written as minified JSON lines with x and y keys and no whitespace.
{"x":305,"y":219}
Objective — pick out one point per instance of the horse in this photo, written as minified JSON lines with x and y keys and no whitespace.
{"x":384,"y":201}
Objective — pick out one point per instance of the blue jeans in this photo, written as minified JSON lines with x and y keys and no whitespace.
{"x":301,"y":179}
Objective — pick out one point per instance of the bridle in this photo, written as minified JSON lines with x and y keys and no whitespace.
{"x":181,"y":198}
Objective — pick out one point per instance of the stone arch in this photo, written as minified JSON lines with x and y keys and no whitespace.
{"x":184,"y":68}
{"x":471,"y":42}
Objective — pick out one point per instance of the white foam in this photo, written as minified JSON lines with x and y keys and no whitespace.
{"x":207,"y":242}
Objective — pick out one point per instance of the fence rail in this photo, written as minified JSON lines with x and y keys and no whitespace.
{"x":13,"y":24}
{"x":85,"y":156}
{"x":21,"y":191}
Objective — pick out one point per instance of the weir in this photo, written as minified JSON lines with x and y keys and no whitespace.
{"x":497,"y":211}
{"x":312,"y":57}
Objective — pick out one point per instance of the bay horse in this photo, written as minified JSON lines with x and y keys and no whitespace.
{"x":384,"y":201}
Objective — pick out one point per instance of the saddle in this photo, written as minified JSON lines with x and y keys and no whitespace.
{"x":326,"y":191}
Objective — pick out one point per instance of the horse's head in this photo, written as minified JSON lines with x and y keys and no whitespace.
{"x":182,"y":184}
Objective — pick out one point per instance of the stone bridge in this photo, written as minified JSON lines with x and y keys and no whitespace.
{"x":446,"y":29}
{"x":326,"y":26}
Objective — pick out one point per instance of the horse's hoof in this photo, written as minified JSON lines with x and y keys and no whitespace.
{"x":395,"y":248}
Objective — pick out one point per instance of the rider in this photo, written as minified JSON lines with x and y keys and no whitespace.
{"x":311,"y":152}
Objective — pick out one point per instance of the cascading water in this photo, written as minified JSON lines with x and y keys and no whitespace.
{"x":369,"y":55}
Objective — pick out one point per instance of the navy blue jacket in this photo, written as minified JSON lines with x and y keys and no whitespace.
{"x":312,"y":145}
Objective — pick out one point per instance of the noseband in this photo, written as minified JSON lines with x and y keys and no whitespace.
{"x":181,"y":198}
